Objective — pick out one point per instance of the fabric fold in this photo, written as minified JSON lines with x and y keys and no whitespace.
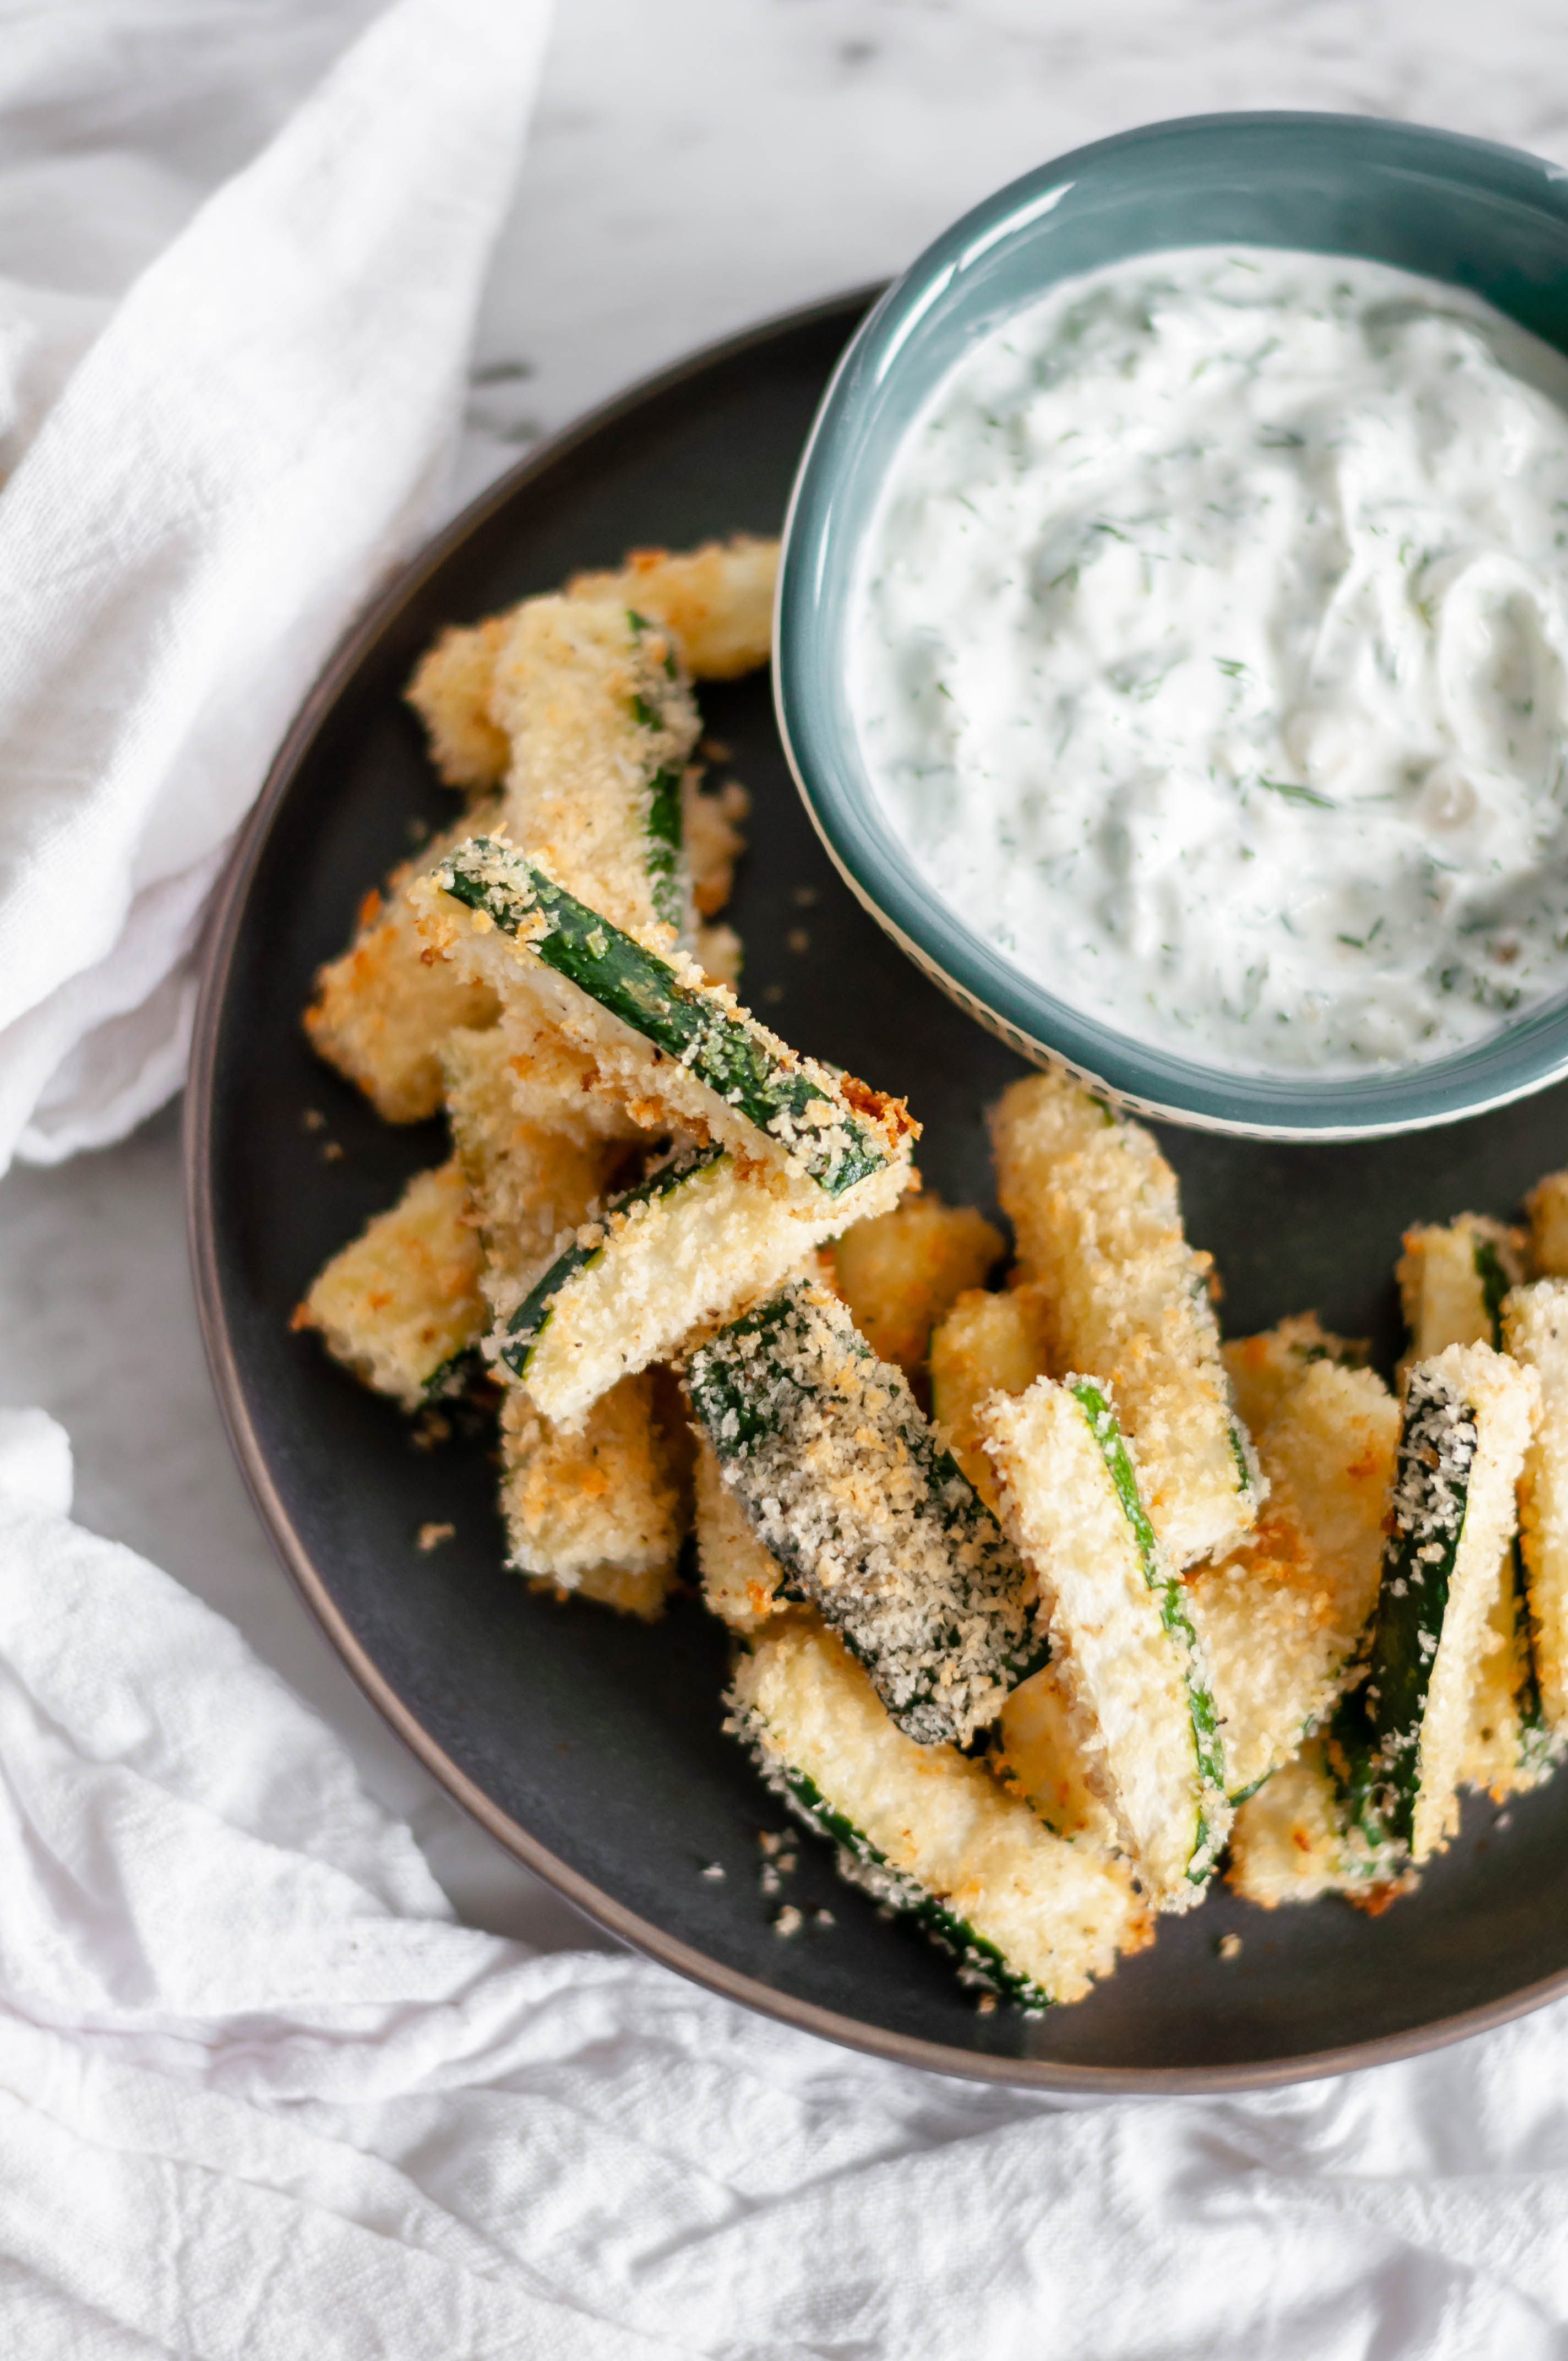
{"x":261,"y":2098}
{"x":260,"y":430}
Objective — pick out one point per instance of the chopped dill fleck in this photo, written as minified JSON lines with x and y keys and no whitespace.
{"x":1297,"y":794}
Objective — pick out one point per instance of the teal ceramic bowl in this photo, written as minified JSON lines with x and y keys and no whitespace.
{"x":1485,"y":218}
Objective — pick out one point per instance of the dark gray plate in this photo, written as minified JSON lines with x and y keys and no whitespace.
{"x":592,"y":1747}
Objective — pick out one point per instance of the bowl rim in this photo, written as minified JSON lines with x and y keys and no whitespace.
{"x":626,"y":1927}
{"x":1513,"y":1063}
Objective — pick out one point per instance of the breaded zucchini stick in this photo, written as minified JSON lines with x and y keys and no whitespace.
{"x":987,"y":1344}
{"x":449,"y":691}
{"x":537,"y":1139}
{"x":1452,"y":1279}
{"x":1265,"y":1369}
{"x":742,"y":1582}
{"x":382,"y":1011}
{"x":597,"y":721}
{"x":714,"y":838}
{"x":1292,"y":1842}
{"x":1038,"y":1752}
{"x":1398,"y":1744}
{"x":717,"y":602}
{"x":601,"y":721}
{"x":1535,"y":1331}
{"x":1547,"y":1206}
{"x":927,"y":1831}
{"x":900,"y":1273}
{"x":826,"y":1448}
{"x":401,"y":1305}
{"x":597,"y":1510}
{"x":1094,"y":1207}
{"x":1280,"y":1620}
{"x":703,"y":1234}
{"x":1069,"y":1504}
{"x":663,"y":1038}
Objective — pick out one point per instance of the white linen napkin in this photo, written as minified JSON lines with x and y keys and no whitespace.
{"x":263,"y":2100}
{"x":259,"y":430}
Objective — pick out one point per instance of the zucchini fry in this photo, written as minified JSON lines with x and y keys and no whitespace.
{"x":537,"y":1140}
{"x":1398,"y":1745}
{"x":661,"y":1035}
{"x":601,"y":720}
{"x":1038,"y":1753}
{"x":401,"y":1305}
{"x":987,"y":1344}
{"x":1069,"y":1504}
{"x":714,"y":838}
{"x":842,"y":1481}
{"x":927,"y":1831}
{"x":1546,"y":1207}
{"x":383,"y":1009}
{"x":717,"y":602}
{"x":703,"y":1234}
{"x":1452,"y":1279}
{"x":1094,"y":1207}
{"x":742,"y":1582}
{"x":449,"y":691}
{"x":1535,"y":1330}
{"x":1292,"y":1842}
{"x":1265,"y":1369}
{"x":902,"y":1273}
{"x":596,"y":1510}
{"x":1280,"y":1620}
{"x":1507,"y":1745}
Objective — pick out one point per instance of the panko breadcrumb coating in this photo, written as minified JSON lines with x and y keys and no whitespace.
{"x":1098,"y":1221}
{"x":595,"y":1508}
{"x":383,"y":1009}
{"x":901,"y":1273}
{"x":717,"y":601}
{"x":402,"y":1301}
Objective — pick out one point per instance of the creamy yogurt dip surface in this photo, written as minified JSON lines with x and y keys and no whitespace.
{"x":1210,"y":654}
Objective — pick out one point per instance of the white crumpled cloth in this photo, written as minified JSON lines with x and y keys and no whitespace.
{"x":208,"y":478}
{"x":263,"y":2100}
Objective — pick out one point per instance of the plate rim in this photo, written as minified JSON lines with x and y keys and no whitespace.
{"x":220,"y":934}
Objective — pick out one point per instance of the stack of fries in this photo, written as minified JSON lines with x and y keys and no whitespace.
{"x":1045,"y":1602}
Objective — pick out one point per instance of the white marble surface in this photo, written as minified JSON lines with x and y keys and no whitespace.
{"x":694,"y":165}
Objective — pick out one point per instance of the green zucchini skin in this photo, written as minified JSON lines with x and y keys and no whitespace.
{"x":665,"y":832}
{"x":1208,"y":1749}
{"x":532,"y":1317}
{"x":948,"y":1638}
{"x":664,"y":826}
{"x":980,"y":1962}
{"x":721,"y":1046}
{"x":454,"y":1375}
{"x":1374,"y":1738}
{"x":1494,"y":1285}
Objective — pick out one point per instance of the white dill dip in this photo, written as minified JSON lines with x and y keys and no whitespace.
{"x":1210,"y":654}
